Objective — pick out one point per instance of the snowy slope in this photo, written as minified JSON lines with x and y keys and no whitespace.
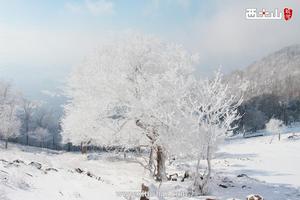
{"x":274,"y":162}
{"x":20,"y":179}
{"x":256,"y":166}
{"x":242,"y":167}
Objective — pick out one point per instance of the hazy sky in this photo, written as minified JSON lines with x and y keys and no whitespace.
{"x":40,"y":41}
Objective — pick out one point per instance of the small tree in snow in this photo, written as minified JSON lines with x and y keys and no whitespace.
{"x":211,"y":111}
{"x":9,"y":122}
{"x":275,"y":126}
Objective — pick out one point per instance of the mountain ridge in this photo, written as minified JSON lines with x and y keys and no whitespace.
{"x":275,"y":73}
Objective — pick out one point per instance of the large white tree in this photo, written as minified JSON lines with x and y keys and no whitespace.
{"x":125,"y":95}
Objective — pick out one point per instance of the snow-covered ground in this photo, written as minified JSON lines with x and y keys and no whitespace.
{"x":50,"y":176}
{"x":242,"y":167}
{"x":278,"y":162}
{"x":274,"y":163}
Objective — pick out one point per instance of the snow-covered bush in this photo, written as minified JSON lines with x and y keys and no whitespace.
{"x":275,"y":126}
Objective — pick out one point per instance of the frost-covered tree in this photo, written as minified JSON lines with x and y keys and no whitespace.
{"x":41,"y":135}
{"x":275,"y":126}
{"x":211,"y":111}
{"x":27,"y":112}
{"x":124,"y":95}
{"x":45,"y":118}
{"x":9,"y":122}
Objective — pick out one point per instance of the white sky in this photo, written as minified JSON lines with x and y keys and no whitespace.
{"x":40,"y":41}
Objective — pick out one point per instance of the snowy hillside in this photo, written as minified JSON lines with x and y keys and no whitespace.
{"x":242,"y":167}
{"x":277,"y":73}
{"x":279,"y":65}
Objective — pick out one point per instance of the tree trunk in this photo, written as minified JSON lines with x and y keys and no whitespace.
{"x":279,"y":136}
{"x":196,"y":180}
{"x":161,"y":164}
{"x":150,"y":163}
{"x":83,"y":148}
{"x":27,"y":129}
{"x":206,"y":176}
{"x":53,"y":142}
{"x":124,"y":153}
{"x":27,"y":139}
{"x":201,"y":180}
{"x":6,"y":143}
